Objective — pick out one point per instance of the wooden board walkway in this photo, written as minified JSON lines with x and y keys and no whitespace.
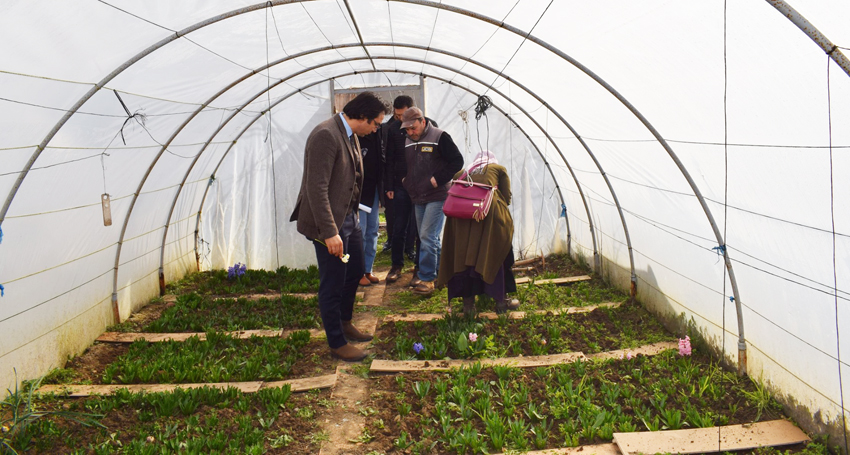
{"x":715,"y":439}
{"x":440,"y":365}
{"x":558,"y":281}
{"x":596,"y":449}
{"x":129,"y":337}
{"x":425,"y":317}
{"x":394,"y":366}
{"x":81,"y":390}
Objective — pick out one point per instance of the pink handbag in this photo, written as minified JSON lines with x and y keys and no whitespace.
{"x":468,"y":200}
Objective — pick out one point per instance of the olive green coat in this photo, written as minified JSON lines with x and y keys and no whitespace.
{"x":485,"y":244}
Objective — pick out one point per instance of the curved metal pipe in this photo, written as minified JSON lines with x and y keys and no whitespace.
{"x":742,"y":344}
{"x":234,"y":141}
{"x":819,"y":38}
{"x":258,"y":70}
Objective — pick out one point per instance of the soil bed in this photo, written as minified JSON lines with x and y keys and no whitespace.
{"x":565,"y":405}
{"x":313,"y":359}
{"x":603,"y":329}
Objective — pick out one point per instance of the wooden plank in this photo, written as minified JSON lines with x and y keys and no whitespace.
{"x":304,"y":384}
{"x":702,"y":440}
{"x":439,"y":365}
{"x":75,"y":390}
{"x":426,"y":317}
{"x":596,"y":449}
{"x":558,"y":281}
{"x":129,"y":337}
{"x":649,"y":349}
{"x":298,"y":385}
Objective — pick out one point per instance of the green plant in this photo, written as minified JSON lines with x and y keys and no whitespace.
{"x":18,"y":415}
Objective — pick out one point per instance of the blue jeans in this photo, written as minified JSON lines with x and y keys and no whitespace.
{"x":429,"y":222}
{"x":369,"y":225}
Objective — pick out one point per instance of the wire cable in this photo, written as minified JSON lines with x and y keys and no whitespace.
{"x":834,"y":260}
{"x":271,"y":146}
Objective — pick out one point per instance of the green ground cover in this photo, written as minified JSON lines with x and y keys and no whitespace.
{"x":196,"y":313}
{"x":198,"y":421}
{"x":486,"y":410}
{"x":220,"y":358}
{"x":459,"y":337}
{"x":217,"y":282}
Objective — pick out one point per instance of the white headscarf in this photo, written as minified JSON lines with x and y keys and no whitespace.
{"x":482,"y":159}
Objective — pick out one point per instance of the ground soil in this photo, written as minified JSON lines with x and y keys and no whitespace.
{"x":358,"y":401}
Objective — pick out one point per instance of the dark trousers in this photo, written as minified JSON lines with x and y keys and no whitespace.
{"x":404,"y":225}
{"x":389,"y":214}
{"x":338,"y":285}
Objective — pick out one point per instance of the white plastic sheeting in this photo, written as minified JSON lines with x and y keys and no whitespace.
{"x":755,"y":111}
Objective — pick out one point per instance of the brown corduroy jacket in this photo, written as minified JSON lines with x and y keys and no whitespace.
{"x":331,"y":182}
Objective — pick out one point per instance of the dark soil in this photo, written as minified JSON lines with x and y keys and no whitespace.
{"x":88,"y":367}
{"x":386,"y":392}
{"x":590,"y":332}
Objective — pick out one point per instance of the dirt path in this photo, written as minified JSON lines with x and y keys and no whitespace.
{"x":346,"y":421}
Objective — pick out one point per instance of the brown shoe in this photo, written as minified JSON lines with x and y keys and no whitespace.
{"x":352,"y":334}
{"x":348,"y":353}
{"x":394,"y":275}
{"x":505,"y":305}
{"x":365,"y":281}
{"x":372,"y":278}
{"x":415,"y":281}
{"x":424,"y":288}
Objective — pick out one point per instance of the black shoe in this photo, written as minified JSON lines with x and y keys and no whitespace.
{"x":387,"y":247}
{"x":410,"y":255}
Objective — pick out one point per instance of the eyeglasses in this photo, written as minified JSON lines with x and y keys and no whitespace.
{"x":375,"y":121}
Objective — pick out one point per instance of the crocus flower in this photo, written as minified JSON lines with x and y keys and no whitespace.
{"x":629,"y":355}
{"x":685,"y":346}
{"x":344,"y":258}
{"x":543,"y":342}
{"x":417,"y":347}
{"x":473,"y":337}
{"x":150,"y":439}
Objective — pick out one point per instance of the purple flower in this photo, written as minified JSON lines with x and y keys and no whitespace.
{"x":236,"y":271}
{"x":417,"y":347}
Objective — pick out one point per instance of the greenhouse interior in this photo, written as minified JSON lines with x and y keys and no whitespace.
{"x":689,"y":158}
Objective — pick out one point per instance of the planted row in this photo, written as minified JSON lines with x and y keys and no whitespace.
{"x":478,"y":410}
{"x":195,"y":313}
{"x":458,"y":337}
{"x":204,"y":420}
{"x":220,"y":282}
{"x":219,"y":358}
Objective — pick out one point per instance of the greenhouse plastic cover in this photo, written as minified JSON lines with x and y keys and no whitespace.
{"x":673,"y":145}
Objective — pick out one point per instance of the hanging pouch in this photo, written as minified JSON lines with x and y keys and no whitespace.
{"x":468,"y":200}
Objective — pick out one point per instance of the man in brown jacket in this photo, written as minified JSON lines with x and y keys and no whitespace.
{"x":327,"y":214}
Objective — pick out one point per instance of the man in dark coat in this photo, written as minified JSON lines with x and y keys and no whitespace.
{"x":326,"y":212}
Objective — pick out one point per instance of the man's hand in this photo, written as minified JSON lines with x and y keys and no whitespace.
{"x":335,"y":246}
{"x":390,"y":194}
{"x":433,"y":182}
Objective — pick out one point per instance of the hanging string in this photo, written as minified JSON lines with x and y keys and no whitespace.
{"x":722,"y":248}
{"x":269,"y":138}
{"x":834,"y":268}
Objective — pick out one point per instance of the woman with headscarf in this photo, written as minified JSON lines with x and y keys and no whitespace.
{"x":477,"y":256}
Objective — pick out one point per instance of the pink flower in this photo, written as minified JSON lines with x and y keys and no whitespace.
{"x":629,"y":355}
{"x":685,"y":346}
{"x":473,"y":337}
{"x":543,"y":342}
